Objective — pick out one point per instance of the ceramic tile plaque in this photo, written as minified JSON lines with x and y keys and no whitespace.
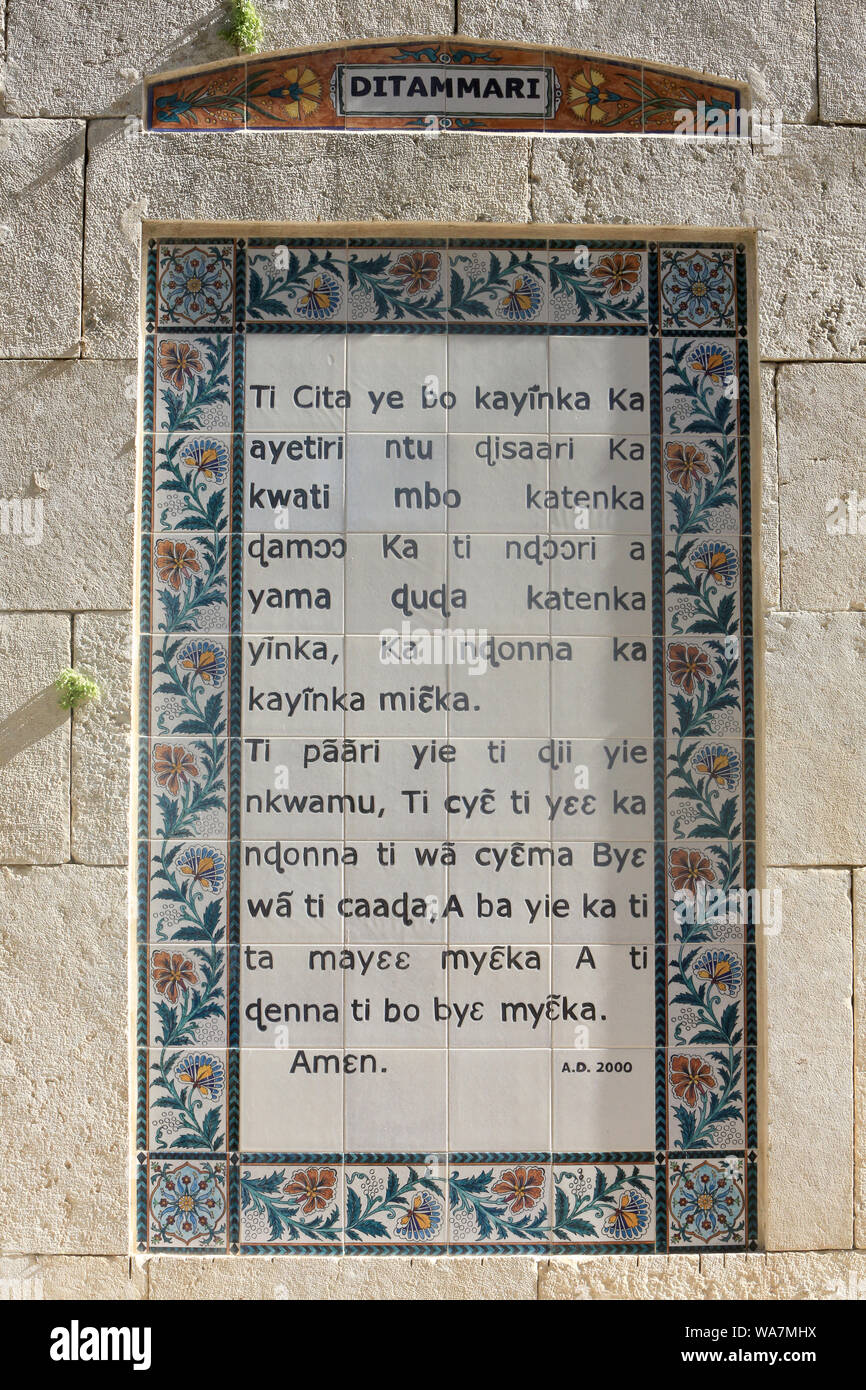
{"x":444,"y":84}
{"x":446,"y":813}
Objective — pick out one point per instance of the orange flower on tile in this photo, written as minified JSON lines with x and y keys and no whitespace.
{"x":691,"y":1077}
{"x":172,"y":767}
{"x":172,"y":974}
{"x":683,"y":463}
{"x":312,"y":1187}
{"x":175,"y":561}
{"x":689,"y":666}
{"x":618,"y":273}
{"x":417,"y":270}
{"x":179,"y":362}
{"x":688,"y":868}
{"x":521,"y":1187}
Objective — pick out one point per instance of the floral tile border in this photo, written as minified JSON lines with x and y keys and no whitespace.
{"x":699,"y":1184}
{"x":187,"y":889}
{"x":575,"y":92}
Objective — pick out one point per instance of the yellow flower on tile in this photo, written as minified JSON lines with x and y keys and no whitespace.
{"x":586,"y":93}
{"x":302,"y":92}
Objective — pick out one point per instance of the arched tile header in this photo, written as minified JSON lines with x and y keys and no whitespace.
{"x":451,"y":84}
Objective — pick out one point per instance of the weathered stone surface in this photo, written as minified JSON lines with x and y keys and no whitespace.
{"x":790,"y":1277}
{"x":73,"y":450}
{"x":822,"y":485}
{"x":71,"y":56}
{"x":816,"y":738}
{"x":773,"y":46}
{"x":807,"y":201}
{"x":584,"y":1277}
{"x":335,"y":1279}
{"x":64,"y":1178}
{"x":809,"y":1038}
{"x":62,"y":1277}
{"x":34,"y":735}
{"x":769,"y":540}
{"x":41,"y":213}
{"x":273,"y":176}
{"x":860,"y":1058}
{"x":102,"y":644}
{"x":841,"y":73}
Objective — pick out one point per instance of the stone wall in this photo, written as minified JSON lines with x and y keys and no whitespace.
{"x":77,"y":180}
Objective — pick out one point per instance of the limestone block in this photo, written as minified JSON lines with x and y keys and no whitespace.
{"x":41,"y":214}
{"x":816,"y":738}
{"x":769,"y":541}
{"x":101,"y":739}
{"x":64,"y":1178}
{"x":860,"y":1058}
{"x":34,"y":735}
{"x":806,"y":200}
{"x":63,"y":1277}
{"x":773,"y":45}
{"x":822,"y":485}
{"x":809,"y":1108}
{"x":274,"y":176}
{"x":789,"y":1277}
{"x":345,"y":1279}
{"x":72,"y":455}
{"x":841,"y":74}
{"x":71,"y":56}
{"x":585,"y":1277}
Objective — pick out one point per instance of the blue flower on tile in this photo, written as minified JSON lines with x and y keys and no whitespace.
{"x":207,"y":660}
{"x":485,"y":285}
{"x":195,"y":284}
{"x":387,"y":1204}
{"x":522,"y":300}
{"x":712,"y":363}
{"x":187,"y":1203}
{"x":203,"y":1073}
{"x":207,"y":458}
{"x":629,"y":1218}
{"x":284,"y":284}
{"x":422,"y":1220}
{"x":204,"y":866}
{"x":720,"y":765}
{"x":602,"y":1203}
{"x":721,"y":970}
{"x":717,"y":560}
{"x":698,"y":289}
{"x":701,"y":390}
{"x":706,"y":1202}
{"x":188,"y":884}
{"x":322,"y":299}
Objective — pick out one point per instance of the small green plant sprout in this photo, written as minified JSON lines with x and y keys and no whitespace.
{"x":72,"y":687}
{"x":244,"y":29}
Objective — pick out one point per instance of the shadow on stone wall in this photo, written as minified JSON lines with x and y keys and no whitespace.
{"x":34,"y":720}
